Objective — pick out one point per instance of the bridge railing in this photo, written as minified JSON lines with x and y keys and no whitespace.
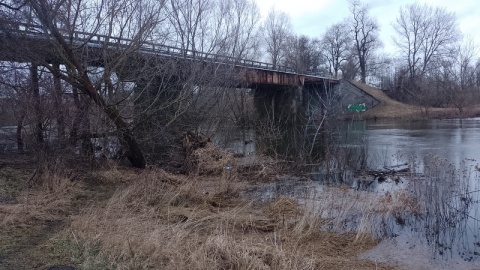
{"x":99,"y":40}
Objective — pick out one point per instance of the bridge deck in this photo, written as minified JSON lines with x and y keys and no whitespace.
{"x":26,"y":42}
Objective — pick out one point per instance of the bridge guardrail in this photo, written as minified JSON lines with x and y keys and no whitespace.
{"x":148,"y":47}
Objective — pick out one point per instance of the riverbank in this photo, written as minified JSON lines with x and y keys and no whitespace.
{"x":113,"y":217}
{"x":226,"y":213}
{"x":392,"y":109}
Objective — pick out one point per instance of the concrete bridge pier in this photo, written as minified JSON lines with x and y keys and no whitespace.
{"x":281,"y":112}
{"x":279,"y":101}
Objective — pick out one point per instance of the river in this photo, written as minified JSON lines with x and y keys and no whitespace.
{"x":443,"y":156}
{"x":391,"y":142}
{"x":446,"y":154}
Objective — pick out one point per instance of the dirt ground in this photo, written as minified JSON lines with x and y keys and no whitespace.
{"x":111,"y":217}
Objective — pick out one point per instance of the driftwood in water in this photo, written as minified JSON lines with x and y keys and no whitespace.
{"x":388,"y":170}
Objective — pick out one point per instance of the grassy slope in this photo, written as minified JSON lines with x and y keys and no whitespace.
{"x":389,"y":108}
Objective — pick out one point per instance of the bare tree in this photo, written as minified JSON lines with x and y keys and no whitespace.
{"x":224,"y":27}
{"x":336,"y":46}
{"x":425,"y":35}
{"x":197,"y":91}
{"x":15,"y":95}
{"x":187,"y":17}
{"x":12,"y":4}
{"x":365,"y":34}
{"x":467,"y":52}
{"x":303,"y":55}
{"x":115,"y":88}
{"x":277,"y":31}
{"x":458,"y":77}
{"x":477,"y":73}
{"x":34,"y":104}
{"x":62,"y":19}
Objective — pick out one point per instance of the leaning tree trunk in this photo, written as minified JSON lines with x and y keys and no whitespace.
{"x":134,"y":153}
{"x":84,"y":84}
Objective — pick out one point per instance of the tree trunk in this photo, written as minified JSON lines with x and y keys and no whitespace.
{"x":58,"y":106}
{"x":20,"y":144}
{"x":37,"y":104}
{"x":84,"y":120}
{"x":81,"y":79}
{"x":134,"y":153}
{"x":363,"y":70}
{"x":76,"y":117}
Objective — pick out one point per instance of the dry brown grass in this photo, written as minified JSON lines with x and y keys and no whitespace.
{"x":49,"y":197}
{"x":211,"y":160}
{"x":399,"y":202}
{"x":165,"y":221}
{"x":114,"y":174}
{"x":41,"y":207}
{"x":153,"y":219}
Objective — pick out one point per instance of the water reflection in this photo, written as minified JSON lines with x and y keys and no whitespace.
{"x":396,"y":142}
{"x":445,"y":176}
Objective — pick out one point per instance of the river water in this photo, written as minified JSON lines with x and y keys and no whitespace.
{"x":392,"y":142}
{"x":444,"y":178}
{"x":444,"y":156}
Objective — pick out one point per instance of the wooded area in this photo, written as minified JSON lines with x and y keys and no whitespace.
{"x":147,"y":104}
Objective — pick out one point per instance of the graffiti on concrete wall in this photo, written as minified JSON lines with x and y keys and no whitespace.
{"x":357,"y":107}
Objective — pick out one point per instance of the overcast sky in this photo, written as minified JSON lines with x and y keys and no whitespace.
{"x":312,"y":17}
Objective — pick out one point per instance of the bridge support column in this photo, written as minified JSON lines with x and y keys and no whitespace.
{"x":281,"y":113}
{"x":298,"y":100}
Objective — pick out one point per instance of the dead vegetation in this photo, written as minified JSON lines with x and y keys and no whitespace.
{"x":170,"y":222}
{"x":152,"y":219}
{"x":42,"y":202}
{"x":45,"y":196}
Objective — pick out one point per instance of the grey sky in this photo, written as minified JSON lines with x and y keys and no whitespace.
{"x":312,"y":17}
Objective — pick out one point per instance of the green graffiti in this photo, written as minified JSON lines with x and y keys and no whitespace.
{"x":357,"y":107}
